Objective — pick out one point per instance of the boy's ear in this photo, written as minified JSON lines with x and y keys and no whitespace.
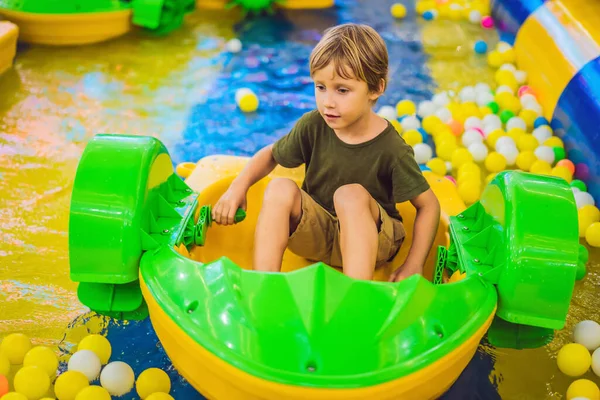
{"x":375,"y":95}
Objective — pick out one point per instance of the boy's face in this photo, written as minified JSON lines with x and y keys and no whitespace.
{"x":340,"y":101}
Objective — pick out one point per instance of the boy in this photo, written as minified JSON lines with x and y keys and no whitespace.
{"x":357,"y":169}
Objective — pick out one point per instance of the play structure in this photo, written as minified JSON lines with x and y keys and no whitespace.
{"x":141,"y":242}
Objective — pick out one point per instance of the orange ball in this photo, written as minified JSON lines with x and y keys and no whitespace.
{"x":3,"y":385}
{"x":567,"y":164}
{"x":456,"y":127}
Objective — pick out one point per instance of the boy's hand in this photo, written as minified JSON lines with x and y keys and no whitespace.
{"x":224,"y":211}
{"x":404,"y":271}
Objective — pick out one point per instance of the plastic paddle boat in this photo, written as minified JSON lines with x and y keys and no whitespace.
{"x":8,"y":44}
{"x":141,"y":242}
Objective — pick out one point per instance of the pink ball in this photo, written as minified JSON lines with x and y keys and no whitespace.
{"x":480,"y":131}
{"x":487,"y":22}
{"x":525,"y":90}
{"x":582,"y":172}
{"x":451,"y":179}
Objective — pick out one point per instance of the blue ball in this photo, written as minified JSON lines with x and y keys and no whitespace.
{"x":424,"y":167}
{"x":539,"y":121}
{"x":480,"y":47}
{"x":423,"y":134}
{"x":428,"y":15}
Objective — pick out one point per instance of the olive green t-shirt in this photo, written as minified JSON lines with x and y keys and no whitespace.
{"x":384,"y":165}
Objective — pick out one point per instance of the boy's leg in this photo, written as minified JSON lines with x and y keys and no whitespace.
{"x":359,"y":219}
{"x":280,"y":214}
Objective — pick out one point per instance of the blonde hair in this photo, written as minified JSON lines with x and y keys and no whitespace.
{"x":353,"y":46}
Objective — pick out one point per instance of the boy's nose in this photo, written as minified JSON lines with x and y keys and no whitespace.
{"x":328,"y":102}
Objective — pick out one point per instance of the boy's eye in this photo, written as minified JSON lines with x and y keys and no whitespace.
{"x":343,"y":91}
{"x":320,"y":87}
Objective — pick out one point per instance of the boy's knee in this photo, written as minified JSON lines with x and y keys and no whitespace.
{"x":349,"y":197}
{"x":281,"y":192}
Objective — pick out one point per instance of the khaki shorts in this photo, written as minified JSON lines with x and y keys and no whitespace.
{"x":317,"y":237}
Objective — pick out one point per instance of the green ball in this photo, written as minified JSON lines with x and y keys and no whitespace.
{"x":584,"y":254}
{"x":494,"y":107}
{"x":559,"y":153}
{"x":506,"y":115}
{"x":579,"y":185}
{"x":580,"y":271}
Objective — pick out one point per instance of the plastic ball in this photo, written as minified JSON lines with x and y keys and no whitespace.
{"x":32,"y":381}
{"x":406,"y":107}
{"x":582,"y":172}
{"x":473,"y":122}
{"x":69,"y":383}
{"x":494,"y":59}
{"x":506,"y":115}
{"x":545,"y":153}
{"x":583,"y":388}
{"x":14,"y":396}
{"x":118,"y":378}
{"x":234,"y":45}
{"x":510,"y":153}
{"x":4,"y":365}
{"x":412,"y":137}
{"x":516,"y":122}
{"x":536,"y":108}
{"x":508,"y":80}
{"x":479,"y":151}
{"x":93,"y":393}
{"x":540,"y":121}
{"x":554,"y":141}
{"x":151,"y":381}
{"x":574,"y":359}
{"x":480,"y":47}
{"x":241,"y":93}
{"x":397,"y":126}
{"x":467,"y":94}
{"x":493,"y":137}
{"x":4,"y":386}
{"x":423,"y":153}
{"x":444,"y":114}
{"x":410,"y":122}
{"x":562,"y":172}
{"x":471,"y":136}
{"x":482,"y":87}
{"x":492,"y":121}
{"x":387,"y":112}
{"x":504,"y":89}
{"x":456,"y":127}
{"x":487,"y":22}
{"x":14,"y":347}
{"x":437,"y":166}
{"x":248,"y":102}
{"x":504,"y":141}
{"x":495,"y":162}
{"x":441,"y":99}
{"x":86,"y":362}
{"x":398,"y":10}
{"x":528,"y":99}
{"x":469,"y":191}
{"x":540,"y":167}
{"x":578,"y":183}
{"x":525,"y":160}
{"x":445,"y":150}
{"x":431,"y":123}
{"x":483,"y":99}
{"x":461,"y":156}
{"x":542,"y":133}
{"x":584,"y":199}
{"x":596,"y":362}
{"x":516,"y":134}
{"x":159,"y":396}
{"x":494,"y":107}
{"x":426,"y":108}
{"x":587,"y":333}
{"x":527,"y":143}
{"x":567,"y":164}
{"x":43,"y":357}
{"x":592,"y":234}
{"x":474,"y":17}
{"x":524,"y":90}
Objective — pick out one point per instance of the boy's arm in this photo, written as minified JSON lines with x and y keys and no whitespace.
{"x":424,"y":231}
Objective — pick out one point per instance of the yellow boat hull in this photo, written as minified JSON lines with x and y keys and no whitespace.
{"x":8,"y":44}
{"x":69,"y":29}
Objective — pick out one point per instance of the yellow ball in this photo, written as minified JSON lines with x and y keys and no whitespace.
{"x":437,"y":166}
{"x":33,"y":382}
{"x":446,"y":149}
{"x":406,"y":107}
{"x":583,"y":388}
{"x":574,"y":359}
{"x":527,"y":142}
{"x":470,"y":109}
{"x":14,"y":396}
{"x":511,"y":103}
{"x":507,"y":78}
{"x":461,"y":156}
{"x":592,"y":234}
{"x":14,"y":347}
{"x":525,"y":160}
{"x":489,"y":178}
{"x":99,"y":345}
{"x":412,"y":137}
{"x":485,"y":110}
{"x":69,"y":384}
{"x":445,"y":137}
{"x":4,"y":365}
{"x":494,"y":136}
{"x":468,"y":169}
{"x":151,"y":381}
{"x":423,"y":6}
{"x":159,"y":396}
{"x":503,"y":98}
{"x":494,"y":59}
{"x":516,"y":133}
{"x":508,"y":56}
{"x":431,"y":124}
{"x":397,"y":126}
{"x":249,"y":103}
{"x":93,"y":393}
{"x":43,"y":357}
{"x":562,"y":172}
{"x":398,"y":10}
{"x":469,"y":191}
{"x":529,"y":116}
{"x":540,"y":167}
{"x":587,"y":215}
{"x":554,"y":141}
{"x":495,"y":162}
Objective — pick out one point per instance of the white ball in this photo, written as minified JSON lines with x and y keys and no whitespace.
{"x":545,"y":153}
{"x":521,"y":77}
{"x":475,"y":17}
{"x":505,"y":88}
{"x":448,"y":167}
{"x":118,"y":378}
{"x":444,"y":114}
{"x":234,"y":45}
{"x":492,"y":120}
{"x":596,"y":362}
{"x":508,"y":67}
{"x":426,"y":108}
{"x":510,"y":153}
{"x":467,"y":94}
{"x":471,"y":136}
{"x":388,"y":112}
{"x":456,"y":7}
{"x":487,"y":129}
{"x":86,"y":362}
{"x":534,"y":107}
{"x":441,"y":99}
{"x":473,"y":122}
{"x":527,"y":99}
{"x":484,"y":98}
{"x":516,"y":122}
{"x":479,"y":151}
{"x":241,"y":93}
{"x":542,"y":133}
{"x":410,"y":122}
{"x":575,"y":190}
{"x":587,"y":333}
{"x":503,"y":47}
{"x":505,"y":141}
{"x":423,"y":153}
{"x":483,"y":88}
{"x":584,"y":199}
